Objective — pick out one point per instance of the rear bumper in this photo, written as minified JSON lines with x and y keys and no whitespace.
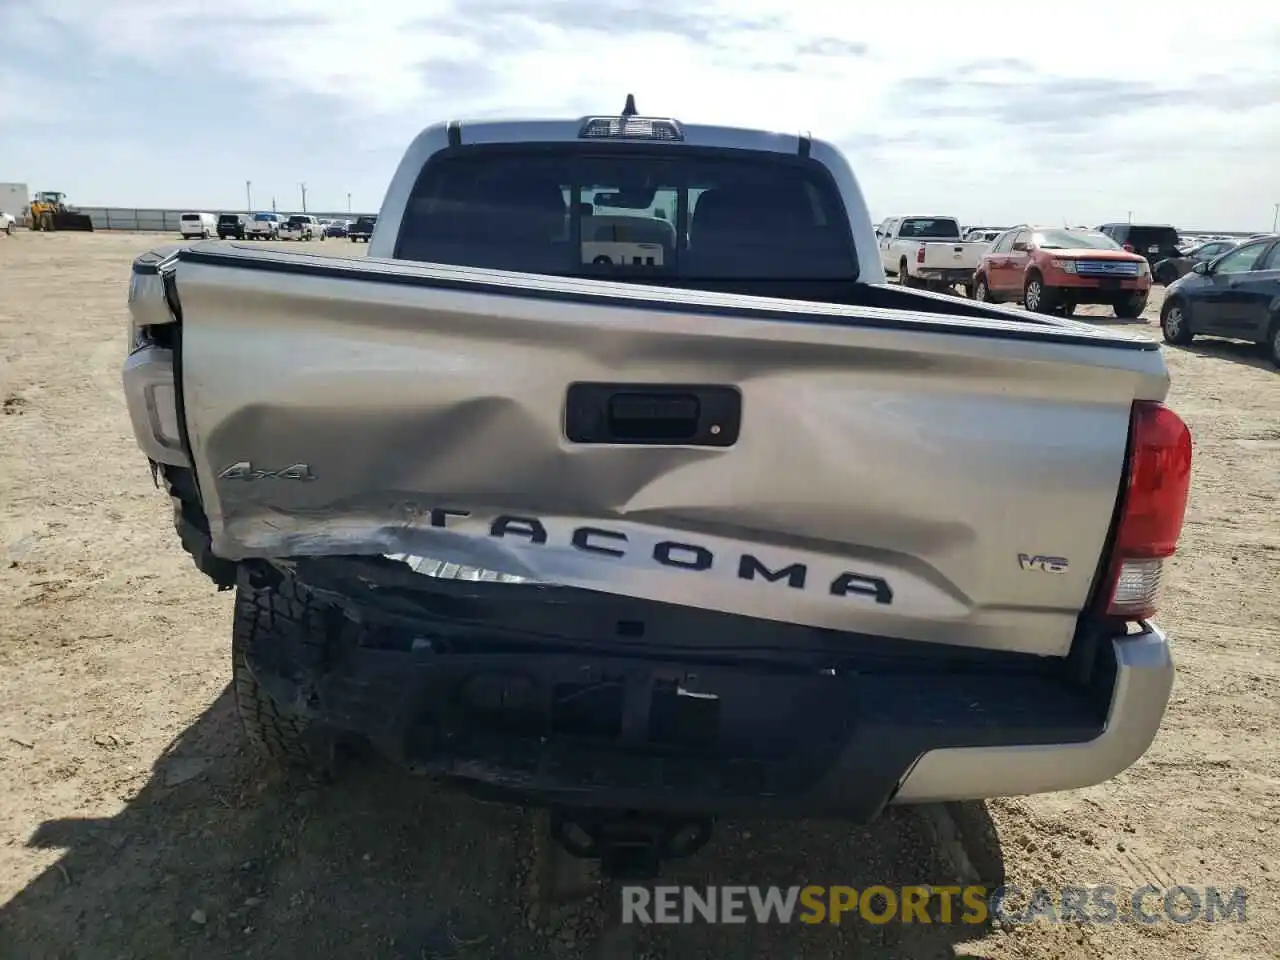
{"x":560,"y":723}
{"x":1139,"y":696}
{"x":946,"y":274}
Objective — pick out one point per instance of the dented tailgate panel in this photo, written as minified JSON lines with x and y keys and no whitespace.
{"x":918,"y":481}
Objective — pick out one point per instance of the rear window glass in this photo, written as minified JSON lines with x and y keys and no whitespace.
{"x":191,"y":216}
{"x":1164,"y":237}
{"x":229,"y":218}
{"x":929,"y":228}
{"x":584,"y":210}
{"x":264,"y":217}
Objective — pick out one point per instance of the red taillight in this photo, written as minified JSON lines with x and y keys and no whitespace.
{"x":920,"y":254}
{"x":1152,"y":507}
{"x":1129,"y":247}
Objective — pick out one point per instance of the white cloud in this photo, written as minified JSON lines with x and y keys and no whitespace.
{"x":942,"y":106}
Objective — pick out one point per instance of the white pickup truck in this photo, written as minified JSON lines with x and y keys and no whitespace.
{"x":264,"y":226}
{"x":926,"y":251}
{"x":741,"y":529}
{"x":300,"y":226}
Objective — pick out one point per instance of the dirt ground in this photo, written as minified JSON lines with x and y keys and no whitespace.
{"x":134,"y":823}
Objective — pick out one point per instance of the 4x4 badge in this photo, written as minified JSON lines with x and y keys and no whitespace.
{"x":244,"y":470}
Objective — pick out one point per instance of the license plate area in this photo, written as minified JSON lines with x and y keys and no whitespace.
{"x":653,"y":414}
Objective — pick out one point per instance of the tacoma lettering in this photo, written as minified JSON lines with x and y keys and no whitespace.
{"x":749,"y":566}
{"x":602,"y":542}
{"x":530,"y":527}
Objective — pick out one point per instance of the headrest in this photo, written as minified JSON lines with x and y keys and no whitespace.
{"x":761,"y":211}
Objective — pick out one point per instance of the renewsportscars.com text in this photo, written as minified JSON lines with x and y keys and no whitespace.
{"x":1102,"y":904}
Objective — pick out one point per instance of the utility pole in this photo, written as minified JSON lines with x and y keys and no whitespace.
{"x":273,"y":204}
{"x":303,"y":188}
{"x":248,"y":196}
{"x":1131,"y":216}
{"x":1275,"y":217}
{"x":349,"y":203}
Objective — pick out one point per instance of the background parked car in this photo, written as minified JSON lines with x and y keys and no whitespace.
{"x":197,"y":225}
{"x":926,"y":251}
{"x":299,"y":226}
{"x":264,"y":226}
{"x":981,"y":235}
{"x":362,"y":229}
{"x":1167,"y":271}
{"x":231,"y":225}
{"x":1154,"y":241}
{"x":337,"y":228}
{"x":1235,"y":295}
{"x":8,"y":223}
{"x":1052,"y":270}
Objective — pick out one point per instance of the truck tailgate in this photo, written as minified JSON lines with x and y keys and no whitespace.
{"x":936,"y":478}
{"x":947,"y":255}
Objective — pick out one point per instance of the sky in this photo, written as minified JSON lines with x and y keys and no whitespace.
{"x":996,"y":115}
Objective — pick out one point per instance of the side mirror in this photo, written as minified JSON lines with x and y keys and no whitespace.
{"x":1019,"y":247}
{"x":1201,"y":268}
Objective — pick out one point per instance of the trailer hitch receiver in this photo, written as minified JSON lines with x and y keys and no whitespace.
{"x":629,"y":845}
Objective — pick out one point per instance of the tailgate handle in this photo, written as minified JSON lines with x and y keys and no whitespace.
{"x":672,"y":414}
{"x":648,"y":417}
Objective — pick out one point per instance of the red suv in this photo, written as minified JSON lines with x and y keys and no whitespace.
{"x":1053,"y":270}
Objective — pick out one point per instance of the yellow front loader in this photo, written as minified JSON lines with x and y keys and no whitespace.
{"x":49,"y":212}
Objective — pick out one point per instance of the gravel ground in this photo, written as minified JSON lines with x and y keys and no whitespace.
{"x":133,"y":822}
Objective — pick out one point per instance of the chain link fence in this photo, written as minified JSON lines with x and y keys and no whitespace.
{"x":141,"y":220}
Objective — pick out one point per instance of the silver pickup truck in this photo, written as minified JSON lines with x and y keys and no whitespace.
{"x":736,"y":528}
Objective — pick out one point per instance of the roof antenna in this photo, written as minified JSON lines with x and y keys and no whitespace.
{"x":630,"y":109}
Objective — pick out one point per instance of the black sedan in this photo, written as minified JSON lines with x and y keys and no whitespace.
{"x":338,"y":228}
{"x":1168,"y":270}
{"x":1237,"y":295}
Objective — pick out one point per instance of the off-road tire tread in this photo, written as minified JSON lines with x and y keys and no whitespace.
{"x":265,"y":616}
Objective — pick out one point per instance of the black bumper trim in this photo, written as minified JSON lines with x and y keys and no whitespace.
{"x":567,"y":722}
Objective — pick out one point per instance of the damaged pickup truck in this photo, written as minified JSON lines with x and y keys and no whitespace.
{"x":729,"y":527}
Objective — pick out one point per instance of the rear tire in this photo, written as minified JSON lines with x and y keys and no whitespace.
{"x":267,"y":619}
{"x":981,"y":292}
{"x":904,"y":275}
